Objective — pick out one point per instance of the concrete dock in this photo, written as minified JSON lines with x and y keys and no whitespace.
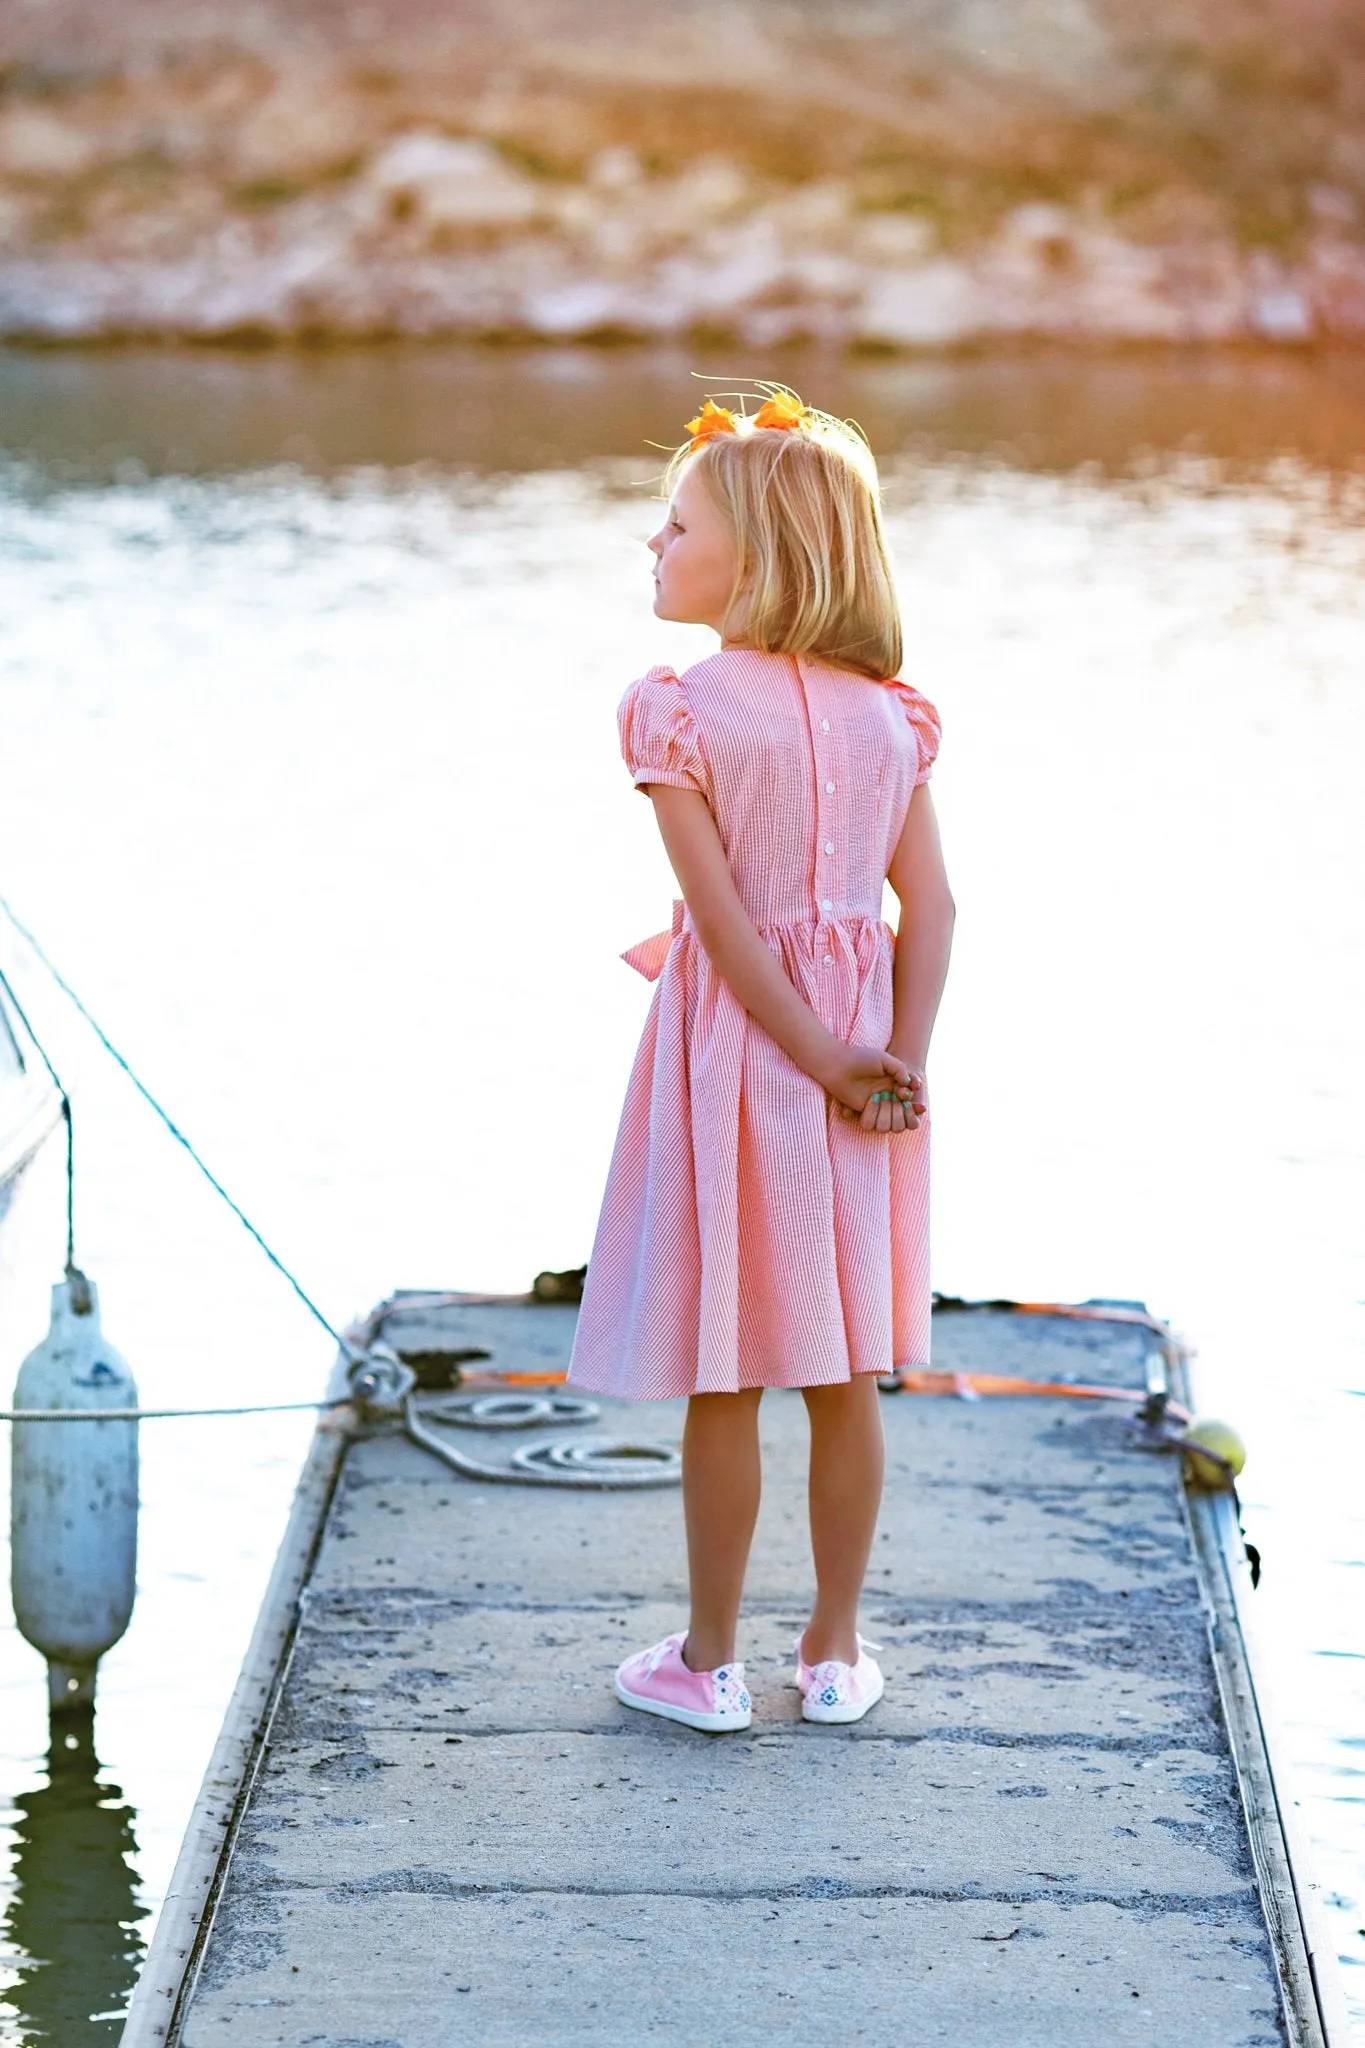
{"x":431,"y":1822}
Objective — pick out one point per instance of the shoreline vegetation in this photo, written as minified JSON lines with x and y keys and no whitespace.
{"x":886,"y":180}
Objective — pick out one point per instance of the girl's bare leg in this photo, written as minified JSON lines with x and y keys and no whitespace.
{"x":847,"y":1462}
{"x":722,"y":1480}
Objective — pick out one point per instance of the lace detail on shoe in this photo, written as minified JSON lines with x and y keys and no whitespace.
{"x":659,"y":1652}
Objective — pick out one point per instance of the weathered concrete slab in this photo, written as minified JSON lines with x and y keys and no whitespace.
{"x":493,"y":1813}
{"x":877,"y":1971}
{"x":525,"y":1337}
{"x":1037,"y":1443}
{"x":939,"y":1540}
{"x":458,"y":1835}
{"x":417,"y":1664}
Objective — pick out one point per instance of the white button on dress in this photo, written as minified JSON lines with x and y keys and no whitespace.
{"x":829,"y":846}
{"x":829,"y":959}
{"x":824,"y":725}
{"x":829,"y":789}
{"x":826,"y":903}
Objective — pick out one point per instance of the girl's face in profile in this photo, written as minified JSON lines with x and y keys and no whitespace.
{"x":694,"y":550}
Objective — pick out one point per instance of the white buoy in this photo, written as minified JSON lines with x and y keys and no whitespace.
{"x":73,"y":1503}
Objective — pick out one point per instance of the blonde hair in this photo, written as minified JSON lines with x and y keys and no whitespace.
{"x":813,"y":572}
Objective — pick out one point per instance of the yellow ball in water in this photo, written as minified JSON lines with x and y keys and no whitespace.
{"x":1206,"y":1433}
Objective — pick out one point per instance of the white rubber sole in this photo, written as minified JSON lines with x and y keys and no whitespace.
{"x":707,"y":1724}
{"x":832,"y":1717}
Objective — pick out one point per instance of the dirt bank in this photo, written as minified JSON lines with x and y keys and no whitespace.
{"x":921,"y":176}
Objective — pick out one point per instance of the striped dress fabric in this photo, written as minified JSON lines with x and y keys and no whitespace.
{"x":749,"y":1237}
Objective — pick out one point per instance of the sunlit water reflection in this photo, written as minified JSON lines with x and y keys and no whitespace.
{"x":311,"y":783}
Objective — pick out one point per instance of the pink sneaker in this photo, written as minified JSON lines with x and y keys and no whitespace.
{"x":658,"y":1682}
{"x":839,"y":1692}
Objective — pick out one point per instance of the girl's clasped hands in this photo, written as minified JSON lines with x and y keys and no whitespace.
{"x":878,"y":1091}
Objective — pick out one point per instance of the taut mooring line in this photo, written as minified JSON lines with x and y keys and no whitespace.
{"x":64,"y":985}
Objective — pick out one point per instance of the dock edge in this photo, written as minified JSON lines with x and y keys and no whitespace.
{"x":1311,"y":1993}
{"x":186,"y":1916}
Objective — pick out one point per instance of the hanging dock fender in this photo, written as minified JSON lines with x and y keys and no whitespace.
{"x":74,"y":1498}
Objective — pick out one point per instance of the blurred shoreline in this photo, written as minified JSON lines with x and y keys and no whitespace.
{"x":923,"y":179}
{"x":1221,"y":417}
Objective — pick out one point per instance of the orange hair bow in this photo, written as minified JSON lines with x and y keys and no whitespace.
{"x":785,"y":410}
{"x":713,"y":419}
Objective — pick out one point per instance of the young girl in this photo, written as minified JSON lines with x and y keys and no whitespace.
{"x":766,"y":1216}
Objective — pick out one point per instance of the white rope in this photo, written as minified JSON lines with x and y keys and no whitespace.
{"x":161,"y":1414}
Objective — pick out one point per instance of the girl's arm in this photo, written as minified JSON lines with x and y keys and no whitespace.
{"x":924,"y":938}
{"x":746,"y":964}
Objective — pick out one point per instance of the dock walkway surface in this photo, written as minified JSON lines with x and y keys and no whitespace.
{"x":448,"y":1830}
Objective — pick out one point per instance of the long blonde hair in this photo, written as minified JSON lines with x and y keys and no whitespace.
{"x":813,"y":572}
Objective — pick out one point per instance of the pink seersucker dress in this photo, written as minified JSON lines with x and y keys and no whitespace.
{"x":749,"y":1236}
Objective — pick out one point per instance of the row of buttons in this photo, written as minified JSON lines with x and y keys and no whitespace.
{"x":826,"y":902}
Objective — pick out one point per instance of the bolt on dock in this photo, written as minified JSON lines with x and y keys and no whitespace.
{"x":429,"y":1821}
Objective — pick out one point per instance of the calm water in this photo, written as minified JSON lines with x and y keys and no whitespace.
{"x":308,"y":672}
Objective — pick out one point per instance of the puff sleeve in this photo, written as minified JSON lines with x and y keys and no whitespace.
{"x":924,"y":722}
{"x":659,"y":737}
